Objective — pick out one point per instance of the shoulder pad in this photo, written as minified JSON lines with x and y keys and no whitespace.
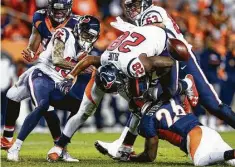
{"x":154,"y":14}
{"x":77,"y":17}
{"x":62,"y":34}
{"x":38,"y":17}
{"x":151,"y":16}
{"x":74,"y":19}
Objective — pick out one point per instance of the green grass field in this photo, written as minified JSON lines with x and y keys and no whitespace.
{"x":35,"y":148}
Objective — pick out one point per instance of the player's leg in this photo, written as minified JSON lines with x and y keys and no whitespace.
{"x":115,"y":149}
{"x":129,"y":134}
{"x":208,"y":97}
{"x":204,"y":151}
{"x":14,"y":96}
{"x":53,"y":123}
{"x":40,"y":87}
{"x":227,"y":92}
{"x":71,"y":104}
{"x":91,"y":100}
{"x":66,"y":103}
{"x":12,"y":113}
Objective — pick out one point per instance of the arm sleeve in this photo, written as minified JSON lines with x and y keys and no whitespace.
{"x":64,"y":35}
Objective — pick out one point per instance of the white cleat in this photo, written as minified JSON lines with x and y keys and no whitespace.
{"x":110,"y":149}
{"x":192,"y":92}
{"x":231,"y":162}
{"x":124,"y":152}
{"x":65,"y":156}
{"x":54,"y":154}
{"x":13,"y":154}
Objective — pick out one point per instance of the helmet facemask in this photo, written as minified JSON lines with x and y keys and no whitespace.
{"x":87,"y":39}
{"x":59,"y":11}
{"x":135,"y":8}
{"x":87,"y":32}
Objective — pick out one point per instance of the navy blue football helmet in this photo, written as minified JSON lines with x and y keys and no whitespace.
{"x":134,"y":8}
{"x":109,"y":78}
{"x":87,"y":31}
{"x":59,"y":10}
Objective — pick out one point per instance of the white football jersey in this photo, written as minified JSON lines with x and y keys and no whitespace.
{"x":45,"y":63}
{"x":157,"y":14}
{"x":125,"y":50}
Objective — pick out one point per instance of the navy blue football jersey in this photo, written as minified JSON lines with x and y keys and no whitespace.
{"x":170,"y":116}
{"x":44,"y":26}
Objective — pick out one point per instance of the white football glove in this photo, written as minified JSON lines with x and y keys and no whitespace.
{"x":122,"y":25}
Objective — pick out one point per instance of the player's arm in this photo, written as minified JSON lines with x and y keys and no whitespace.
{"x":167,"y":68}
{"x":150,"y":151}
{"x":58,"y":55}
{"x":30,"y":53}
{"x":154,"y":63}
{"x":85,"y":63}
{"x":161,"y":25}
{"x":140,"y":66}
{"x":34,"y":40}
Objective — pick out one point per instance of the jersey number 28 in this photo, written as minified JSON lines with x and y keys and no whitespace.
{"x":123,"y":44}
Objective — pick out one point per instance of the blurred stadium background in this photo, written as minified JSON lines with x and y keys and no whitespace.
{"x":209,"y":25}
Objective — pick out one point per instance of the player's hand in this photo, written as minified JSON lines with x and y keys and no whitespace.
{"x":29,"y":55}
{"x":122,"y":25}
{"x":222,"y":74}
{"x":65,"y":86}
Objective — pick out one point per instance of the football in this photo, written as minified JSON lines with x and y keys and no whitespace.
{"x":177,"y":49}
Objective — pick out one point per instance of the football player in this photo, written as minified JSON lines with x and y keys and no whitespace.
{"x":149,"y":14}
{"x":142,"y":12}
{"x":45,"y":22}
{"x":196,"y":139}
{"x":127,"y":55}
{"x":60,"y":56}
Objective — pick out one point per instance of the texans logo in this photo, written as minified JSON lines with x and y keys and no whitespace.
{"x":108,"y":86}
{"x":86,"y":20}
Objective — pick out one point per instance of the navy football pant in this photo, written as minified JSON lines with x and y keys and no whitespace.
{"x":40,"y":88}
{"x":227,"y":92}
{"x":207,"y":95}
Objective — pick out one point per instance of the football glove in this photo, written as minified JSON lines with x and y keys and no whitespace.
{"x":65,"y":86}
